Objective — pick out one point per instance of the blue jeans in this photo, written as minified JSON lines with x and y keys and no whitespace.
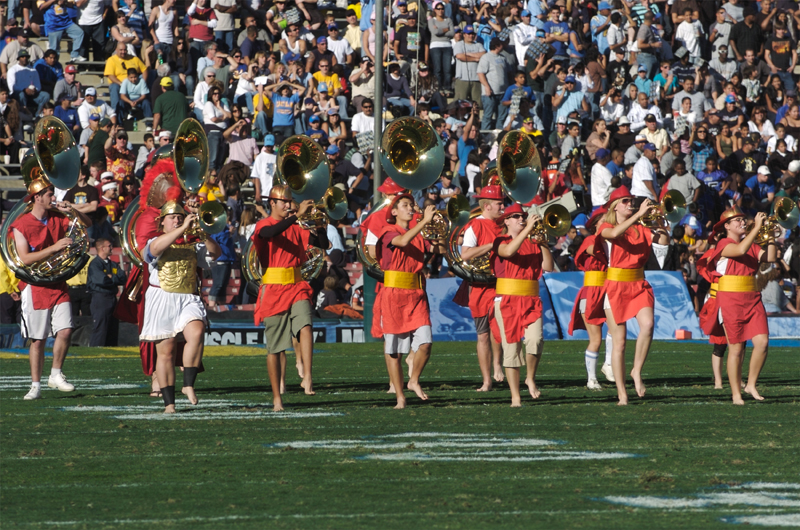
{"x":246,"y":99}
{"x":113,"y":95}
{"x":224,"y":37}
{"x":176,"y":80}
{"x":164,"y":49}
{"x":492,"y":106}
{"x":220,"y":273}
{"x":342,"y":102}
{"x":215,"y":149}
{"x":40,"y":99}
{"x":441,"y":57}
{"x":262,"y":123}
{"x":403,"y":102}
{"x":648,"y":60}
{"x":124,"y":108}
{"x":788,"y":82}
{"x":75,"y":33}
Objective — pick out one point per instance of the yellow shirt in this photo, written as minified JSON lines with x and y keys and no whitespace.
{"x":119,"y":67}
{"x":331,"y":80}
{"x":267,"y":106}
{"x":8,"y":282}
{"x":82,"y":277}
{"x":209,"y":192}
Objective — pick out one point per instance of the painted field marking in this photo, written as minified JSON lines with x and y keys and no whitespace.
{"x":8,"y":383}
{"x":790,"y":520}
{"x":452,"y":447}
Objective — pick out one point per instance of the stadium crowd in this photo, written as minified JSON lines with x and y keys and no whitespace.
{"x":699,"y":97}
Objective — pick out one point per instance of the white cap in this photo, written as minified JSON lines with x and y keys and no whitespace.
{"x":763,"y":170}
{"x":623,"y":121}
{"x":640,"y":138}
{"x":90,"y":91}
{"x":165,"y":134}
{"x":109,"y":186}
{"x":106,"y":175}
{"x":794,"y":166}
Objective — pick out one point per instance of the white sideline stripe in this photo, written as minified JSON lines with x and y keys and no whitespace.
{"x":350,"y":444}
{"x":752,"y":499}
{"x":489,"y":457}
{"x":790,"y":519}
{"x":261,"y":414}
{"x":768,"y":486}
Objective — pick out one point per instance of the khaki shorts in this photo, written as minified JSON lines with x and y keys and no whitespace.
{"x":404,"y":343}
{"x":533,"y":340}
{"x":39,"y":324}
{"x":279,"y":329}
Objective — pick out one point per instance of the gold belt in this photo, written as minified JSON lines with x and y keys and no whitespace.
{"x":712,"y":293}
{"x":737,"y":284}
{"x":517,"y":287}
{"x":281,"y":276}
{"x":625,"y":275}
{"x":594,"y":278}
{"x":402,"y":280}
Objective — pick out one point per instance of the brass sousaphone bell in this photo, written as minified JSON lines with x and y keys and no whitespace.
{"x":519,"y":166}
{"x":54,"y":161}
{"x":671,"y":209}
{"x":301,"y":165}
{"x":556,"y":222}
{"x":190,"y":154}
{"x":455,"y":214}
{"x":785,"y":215}
{"x":412,"y":153}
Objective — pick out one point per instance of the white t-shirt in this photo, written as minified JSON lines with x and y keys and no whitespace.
{"x":362,"y":123}
{"x":92,"y":12}
{"x":211,"y":111}
{"x":263,"y":170}
{"x":470,"y":239}
{"x":340,"y":48}
{"x":601,"y":184}
{"x":642,"y":172}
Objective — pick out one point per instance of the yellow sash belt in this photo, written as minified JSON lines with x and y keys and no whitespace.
{"x":402,"y":280}
{"x":594,"y":278}
{"x":516,"y":287}
{"x":281,"y":276}
{"x":712,"y":293}
{"x":625,"y":275}
{"x":737,"y":284}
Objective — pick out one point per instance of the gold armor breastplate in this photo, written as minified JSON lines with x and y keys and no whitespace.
{"x":177,"y":269}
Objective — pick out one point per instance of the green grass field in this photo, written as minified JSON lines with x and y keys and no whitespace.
{"x":683,"y":457}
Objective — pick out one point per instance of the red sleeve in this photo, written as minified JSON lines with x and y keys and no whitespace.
{"x":384,"y":249}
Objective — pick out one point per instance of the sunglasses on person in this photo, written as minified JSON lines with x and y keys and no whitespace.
{"x":366,"y":107}
{"x":701,"y":131}
{"x":516,"y":216}
{"x":625,"y":201}
{"x":237,"y":56}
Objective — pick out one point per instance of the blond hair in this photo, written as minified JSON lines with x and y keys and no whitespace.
{"x":611,"y":216}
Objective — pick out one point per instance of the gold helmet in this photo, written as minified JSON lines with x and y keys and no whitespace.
{"x":172,"y":208}
{"x":279,"y":191}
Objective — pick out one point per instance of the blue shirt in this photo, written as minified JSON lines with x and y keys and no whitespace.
{"x":643,"y":84}
{"x":760,"y":189}
{"x":69,"y":116}
{"x":781,"y":113}
{"x":526,"y":89}
{"x":48,"y":74}
{"x":464,"y":148}
{"x":614,"y":169}
{"x":580,"y":221}
{"x":225,"y":242}
{"x":601,"y":39}
{"x":557,"y":28}
{"x":283,"y":114}
{"x":570,"y":103}
{"x":56,"y":19}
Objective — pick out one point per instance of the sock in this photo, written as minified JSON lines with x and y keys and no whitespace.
{"x":36,"y":384}
{"x":54,"y":371}
{"x":591,"y":364}
{"x":168,"y":393}
{"x":189,"y":375}
{"x":609,"y":347}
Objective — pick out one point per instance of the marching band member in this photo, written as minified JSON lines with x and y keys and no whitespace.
{"x":626,"y":246}
{"x":736,"y":259}
{"x":588,"y":313}
{"x":479,"y":237}
{"x":173,"y":305}
{"x":284,"y":300}
{"x":709,"y":320}
{"x":46,"y":311}
{"x":405,"y":314}
{"x":518,"y":264}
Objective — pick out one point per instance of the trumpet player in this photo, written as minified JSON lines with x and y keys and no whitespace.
{"x":625,"y":245}
{"x":479,"y":238}
{"x":518,"y":262}
{"x":284,"y":299}
{"x":173,"y":306}
{"x":736,"y":259}
{"x":40,"y":234}
{"x":405,"y":313}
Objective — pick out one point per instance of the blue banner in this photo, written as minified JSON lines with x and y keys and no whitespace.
{"x":673,"y":308}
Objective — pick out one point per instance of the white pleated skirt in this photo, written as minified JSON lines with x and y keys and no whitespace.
{"x":167,"y":314}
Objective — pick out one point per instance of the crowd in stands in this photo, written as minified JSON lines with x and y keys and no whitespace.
{"x":699,"y":97}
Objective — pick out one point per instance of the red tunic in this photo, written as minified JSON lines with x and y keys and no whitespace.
{"x":481,"y":297}
{"x":518,"y":312}
{"x":39,"y":237}
{"x":285,"y":250}
{"x":403,"y":310}
{"x":743,"y":314}
{"x":375,"y":222}
{"x":628,"y":251}
{"x":594,"y":296}
{"x":709,"y":315}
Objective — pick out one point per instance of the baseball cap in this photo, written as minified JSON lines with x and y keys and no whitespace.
{"x":649,"y":146}
{"x":422,"y":66}
{"x":730,"y":98}
{"x":525,"y":13}
{"x":165,"y":134}
{"x":527,"y":119}
{"x":333,"y":26}
{"x":323,"y":87}
{"x":309,"y":101}
{"x":642,"y":68}
{"x":763,"y":170}
{"x":401,"y":2}
{"x":314,"y":119}
{"x":650,"y":117}
{"x":366,"y":59}
{"x":640,"y":138}
{"x":562,"y":120}
{"x":320,"y":40}
{"x":166,"y":81}
{"x":791,"y":93}
{"x":602,"y":153}
{"x":604,"y":5}
{"x":269,"y":140}
{"x":570,"y":79}
{"x":70,"y":69}
{"x":23,"y":53}
{"x":90,"y":91}
{"x":94,"y":117}
{"x":332,"y":150}
{"x":104,"y":122}
{"x":457,"y":29}
{"x":469,"y":30}
{"x":332,"y":112}
{"x":794,"y":167}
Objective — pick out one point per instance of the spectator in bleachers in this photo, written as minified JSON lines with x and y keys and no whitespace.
{"x":183,"y":72}
{"x":493,"y":75}
{"x":68,"y":86}
{"x":116,"y":71}
{"x":134,"y":97}
{"x":170,"y":108}
{"x":251,"y":45}
{"x":164,"y":138}
{"x":263,"y":35}
{"x":84,"y":198}
{"x":143,"y":154}
{"x":122,"y":33}
{"x":241,"y":143}
{"x":207,"y":61}
{"x":130,"y":190}
{"x":201,"y":91}
{"x":49,"y":70}
{"x":92,"y":107}
{"x":32,"y":17}
{"x":57,"y":21}
{"x":24,"y":84}
{"x":225,"y":11}
{"x":352,"y":33}
{"x":235,"y":204}
{"x":119,"y":159}
{"x":110,"y":201}
{"x":8,"y":144}
{"x":66,"y":113}
{"x":363,"y":83}
{"x":8,"y":57}
{"x":221,"y":267}
{"x":215,"y":114}
{"x":94,"y":29}
{"x":201,"y":21}
{"x":263,"y":171}
{"x":340,"y":47}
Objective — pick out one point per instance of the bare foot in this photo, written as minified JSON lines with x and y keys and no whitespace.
{"x":169,"y":409}
{"x":622,"y":402}
{"x":391,"y":389}
{"x":535,"y":393}
{"x":498,"y":374}
{"x":738,"y":401}
{"x":189,"y":393}
{"x":717,"y":385}
{"x":277,"y":405}
{"x":401,"y":403}
{"x":417,"y":390}
{"x":308,"y":386}
{"x":753,"y":392}
{"x":300,"y":370}
{"x":638,"y":383}
{"x":487,"y":386}
{"x":516,"y":403}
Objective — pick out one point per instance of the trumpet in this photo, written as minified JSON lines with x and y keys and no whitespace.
{"x":555,"y":222}
{"x":211,"y":219}
{"x":455,"y":214}
{"x":332,"y":205}
{"x":671,"y":209}
{"x":785,"y":216}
